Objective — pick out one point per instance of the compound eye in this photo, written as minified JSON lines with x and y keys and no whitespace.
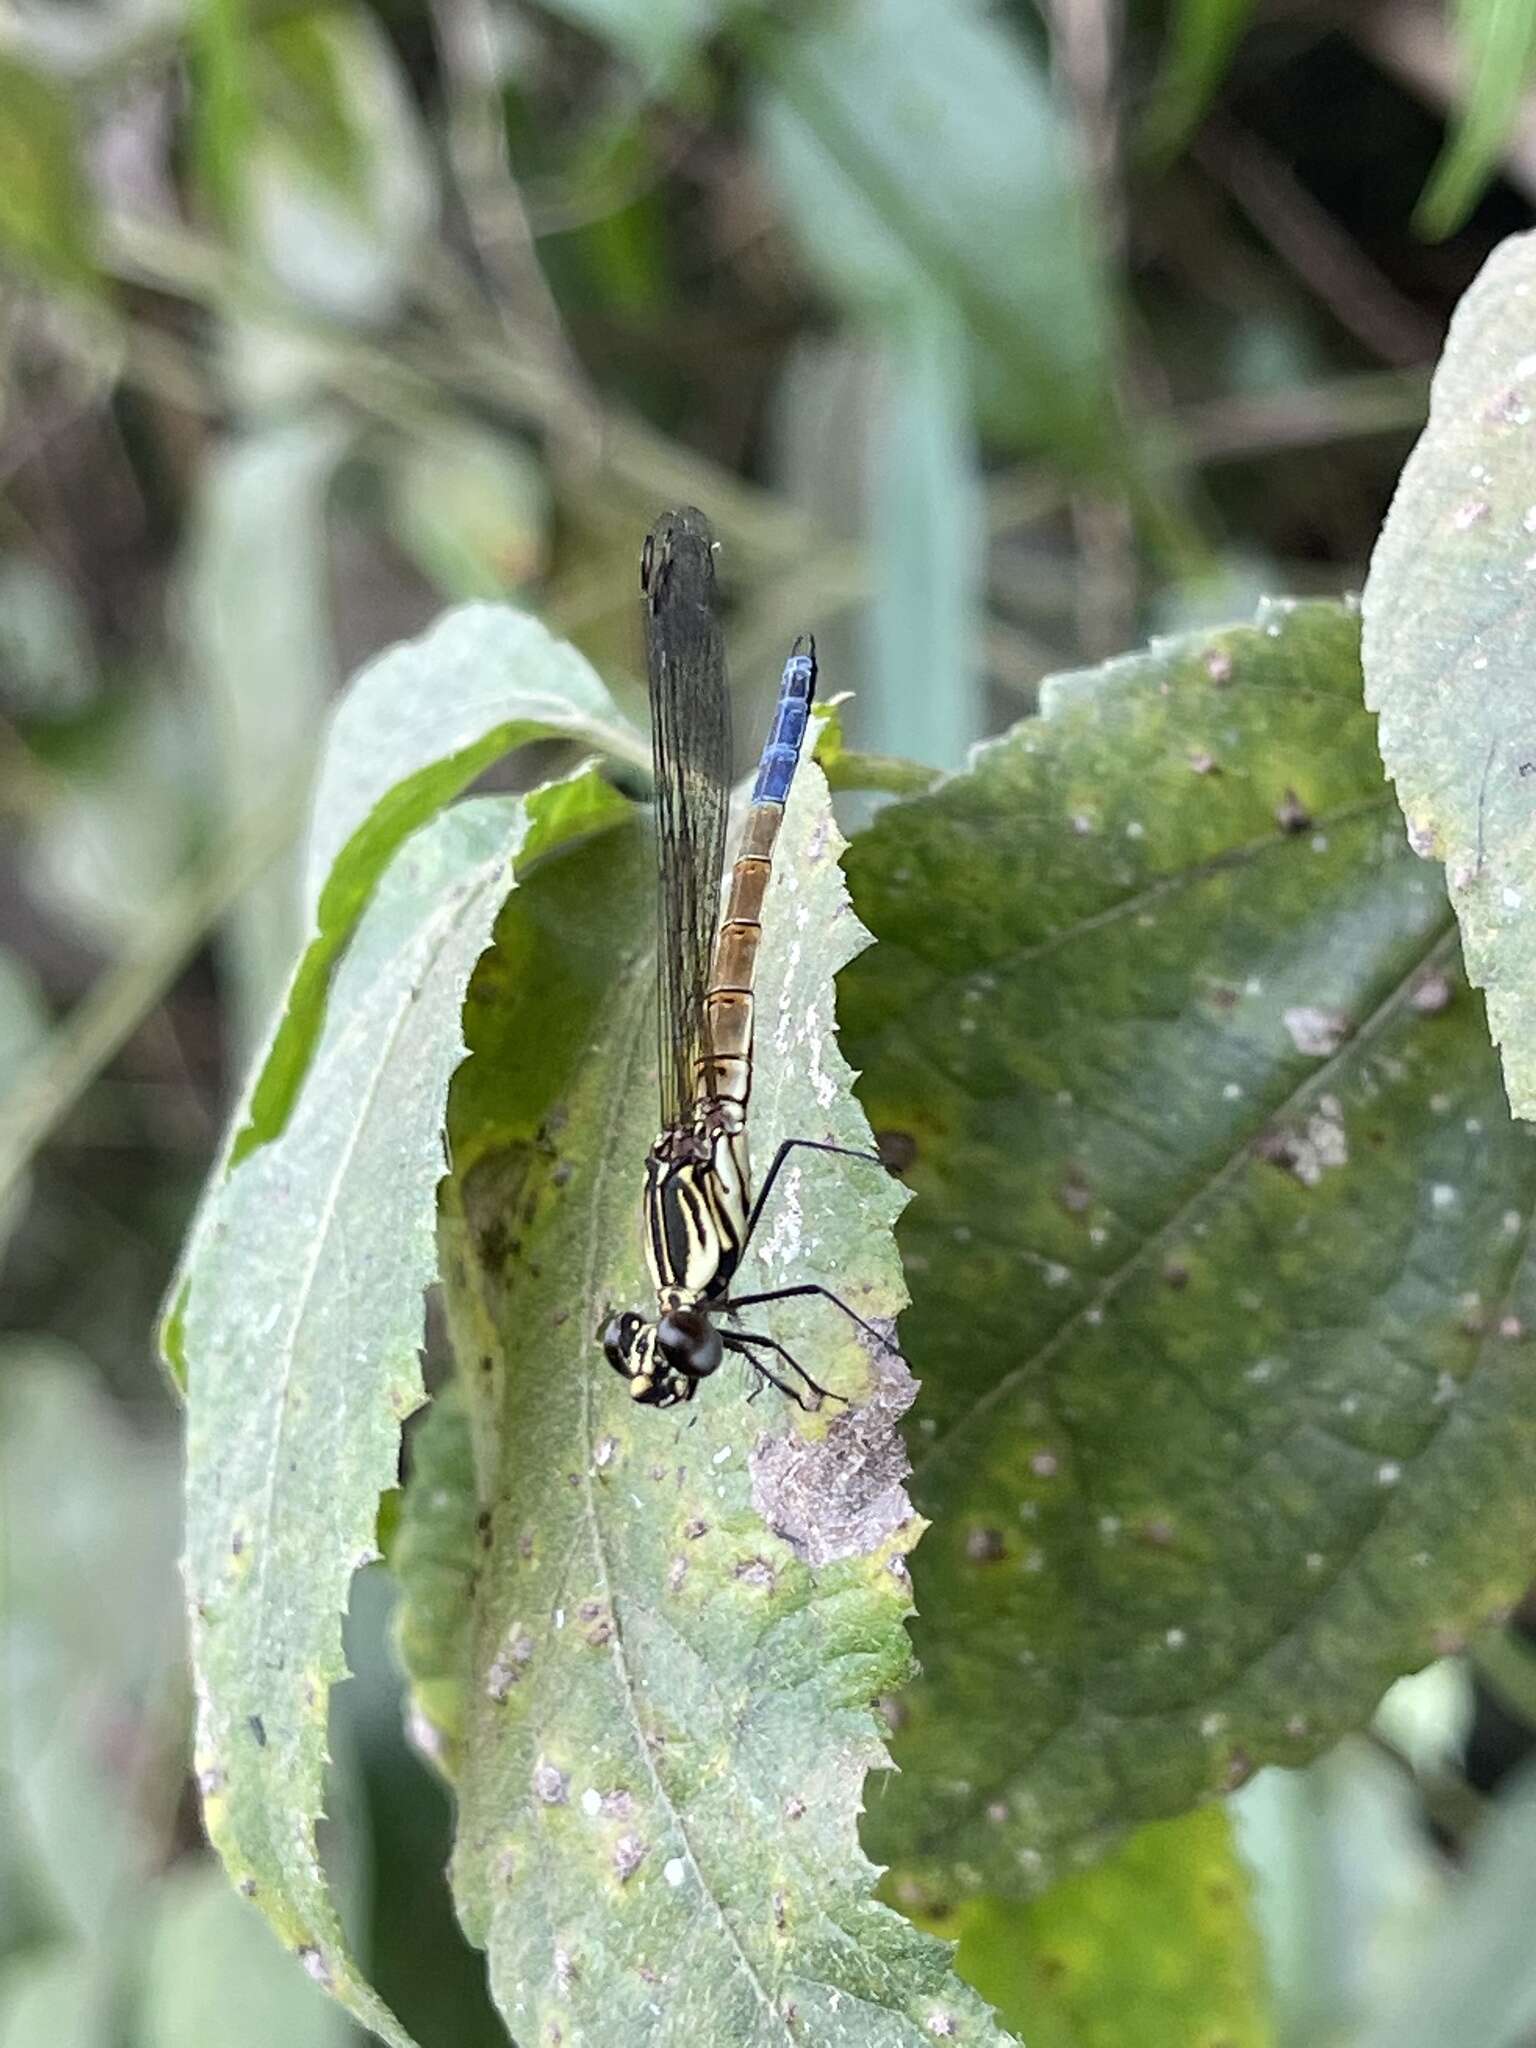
{"x":619,"y":1341}
{"x":689,"y":1342}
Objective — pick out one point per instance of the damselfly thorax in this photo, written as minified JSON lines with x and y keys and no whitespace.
{"x":698,"y":1209}
{"x":696,"y":1206}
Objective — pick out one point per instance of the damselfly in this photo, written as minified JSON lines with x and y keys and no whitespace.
{"x":698,"y":1209}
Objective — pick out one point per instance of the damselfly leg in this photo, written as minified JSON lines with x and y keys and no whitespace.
{"x":741,"y":1340}
{"x":740,"y":1301}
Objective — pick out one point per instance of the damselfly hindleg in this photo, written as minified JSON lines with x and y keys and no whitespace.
{"x":739,"y":1340}
{"x":807,"y":1145}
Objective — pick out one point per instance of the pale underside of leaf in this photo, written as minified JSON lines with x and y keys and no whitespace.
{"x":413,"y":731}
{"x":668,"y":1718}
{"x":302,"y":1332}
{"x":1450,"y":643}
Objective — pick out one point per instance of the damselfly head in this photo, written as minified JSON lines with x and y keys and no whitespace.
{"x":689,"y":1343}
{"x":618,"y":1340}
{"x":663,"y":1361}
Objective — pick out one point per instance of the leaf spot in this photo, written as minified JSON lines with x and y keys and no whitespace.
{"x":629,"y":1852}
{"x":1469,"y":513}
{"x":1310,"y":1153}
{"x":1431,"y":994}
{"x":1316,"y":1032}
{"x":1291,"y":814}
{"x":551,"y":1786}
{"x":316,"y":1965}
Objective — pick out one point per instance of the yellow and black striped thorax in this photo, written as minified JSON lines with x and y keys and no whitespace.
{"x":695,"y":1206}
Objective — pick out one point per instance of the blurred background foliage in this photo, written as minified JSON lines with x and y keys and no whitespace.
{"x":993,"y":340}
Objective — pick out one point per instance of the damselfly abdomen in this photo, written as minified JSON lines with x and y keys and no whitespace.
{"x":698,"y":1208}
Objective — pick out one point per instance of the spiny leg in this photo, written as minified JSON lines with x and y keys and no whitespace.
{"x":779,"y":1157}
{"x":738,"y":1340}
{"x":810,"y":1287}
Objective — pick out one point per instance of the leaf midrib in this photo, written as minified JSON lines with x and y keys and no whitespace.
{"x":1156,"y":1239}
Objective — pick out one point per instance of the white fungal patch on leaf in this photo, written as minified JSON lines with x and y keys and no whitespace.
{"x":1315,"y":1031}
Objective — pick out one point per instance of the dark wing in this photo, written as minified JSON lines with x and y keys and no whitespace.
{"x":691,"y":752}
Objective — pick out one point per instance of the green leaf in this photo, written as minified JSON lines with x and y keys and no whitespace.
{"x":1218,"y":1254}
{"x":212,"y":1972}
{"x":120,"y":829}
{"x":310,"y":147}
{"x":88,"y":1627}
{"x":926,"y":520}
{"x":51,"y":1995}
{"x":47,"y":219}
{"x":24,"y":1029}
{"x":421,"y":722}
{"x":258,"y":606}
{"x":1497,"y":41}
{"x":680,"y":1621}
{"x":415,"y":728}
{"x":1449,"y":645}
{"x":435,"y":1557}
{"x":846,"y":770}
{"x":658,"y":38}
{"x":470,"y":505}
{"x":1152,"y":1949}
{"x":1201,"y":38}
{"x":918,"y":151}
{"x":302,"y":1328}
{"x":47,"y":662}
